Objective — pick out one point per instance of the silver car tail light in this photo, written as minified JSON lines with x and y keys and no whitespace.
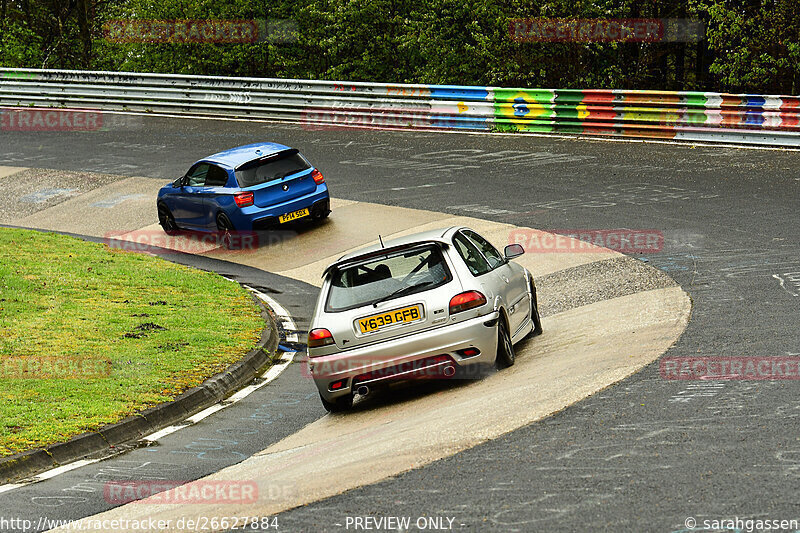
{"x":465,"y":301}
{"x":319,"y":337}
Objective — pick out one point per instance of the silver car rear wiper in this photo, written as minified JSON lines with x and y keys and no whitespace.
{"x":400,"y":291}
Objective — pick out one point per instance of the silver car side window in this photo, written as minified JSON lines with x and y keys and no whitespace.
{"x":489,"y":252}
{"x":474,"y":260}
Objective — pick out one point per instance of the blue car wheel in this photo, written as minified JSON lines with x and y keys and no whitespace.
{"x":166,"y":220}
{"x":225,"y":227}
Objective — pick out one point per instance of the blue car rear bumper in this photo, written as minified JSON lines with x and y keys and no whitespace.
{"x":256,"y":218}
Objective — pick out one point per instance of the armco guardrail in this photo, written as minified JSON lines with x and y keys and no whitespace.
{"x":689,"y":116}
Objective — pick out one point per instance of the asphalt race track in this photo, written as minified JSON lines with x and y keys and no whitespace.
{"x":642,"y":455}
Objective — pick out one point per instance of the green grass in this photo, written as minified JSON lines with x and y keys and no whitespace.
{"x":64,"y":299}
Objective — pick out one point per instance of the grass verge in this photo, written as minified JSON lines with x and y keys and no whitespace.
{"x":90,"y":335}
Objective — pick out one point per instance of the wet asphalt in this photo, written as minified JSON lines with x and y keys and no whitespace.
{"x":645,"y":454}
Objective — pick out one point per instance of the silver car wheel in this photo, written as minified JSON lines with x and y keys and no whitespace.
{"x":535,"y":318}
{"x":338,"y":405}
{"x":505,"y":349}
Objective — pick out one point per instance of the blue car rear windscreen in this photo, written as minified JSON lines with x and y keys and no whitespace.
{"x":271,"y":168}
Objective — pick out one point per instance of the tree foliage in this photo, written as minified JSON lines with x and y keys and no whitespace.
{"x":756,"y":44}
{"x":749,"y":46}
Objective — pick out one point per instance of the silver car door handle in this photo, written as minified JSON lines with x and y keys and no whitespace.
{"x":504,"y":278}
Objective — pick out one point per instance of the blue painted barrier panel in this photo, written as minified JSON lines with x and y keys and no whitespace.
{"x":455,"y":122}
{"x":754,"y":100}
{"x":753,"y":118}
{"x":459,"y":92}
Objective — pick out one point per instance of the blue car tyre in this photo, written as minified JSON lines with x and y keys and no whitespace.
{"x":166,"y":220}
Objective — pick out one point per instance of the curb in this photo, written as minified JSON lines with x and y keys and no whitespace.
{"x":211,"y":391}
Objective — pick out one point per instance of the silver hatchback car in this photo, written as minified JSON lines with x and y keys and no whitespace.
{"x":429,"y":305}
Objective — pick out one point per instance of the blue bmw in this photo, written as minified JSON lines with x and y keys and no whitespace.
{"x":249,"y":188}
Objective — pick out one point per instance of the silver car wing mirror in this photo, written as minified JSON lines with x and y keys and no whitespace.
{"x":513,"y":250}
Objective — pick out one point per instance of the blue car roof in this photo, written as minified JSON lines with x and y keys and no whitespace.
{"x":242,"y":154}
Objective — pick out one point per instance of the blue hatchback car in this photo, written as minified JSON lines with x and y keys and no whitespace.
{"x":249,"y":188}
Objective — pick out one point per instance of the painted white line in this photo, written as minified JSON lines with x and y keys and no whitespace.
{"x":208,"y":411}
{"x":269,"y":376}
{"x":163,"y":433}
{"x":12,"y":486}
{"x":66,"y":468}
{"x":281,"y":311}
{"x":274,"y":371}
{"x":53,"y":472}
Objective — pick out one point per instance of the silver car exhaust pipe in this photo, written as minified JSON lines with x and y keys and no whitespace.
{"x":363,"y":390}
{"x":449,"y":371}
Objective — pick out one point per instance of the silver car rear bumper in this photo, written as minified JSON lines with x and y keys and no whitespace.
{"x":479,"y":332}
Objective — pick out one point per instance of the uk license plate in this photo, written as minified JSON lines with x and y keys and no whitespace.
{"x":382,"y":320}
{"x":294,"y":215}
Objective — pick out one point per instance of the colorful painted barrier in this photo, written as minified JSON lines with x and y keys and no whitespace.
{"x":647,"y":113}
{"x":683,"y":115}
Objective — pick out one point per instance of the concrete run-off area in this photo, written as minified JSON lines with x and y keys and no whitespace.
{"x":604,"y":315}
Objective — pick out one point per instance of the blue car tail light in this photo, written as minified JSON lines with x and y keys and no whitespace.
{"x":243,"y":199}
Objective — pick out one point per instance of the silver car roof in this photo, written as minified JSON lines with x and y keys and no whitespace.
{"x":436,"y":235}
